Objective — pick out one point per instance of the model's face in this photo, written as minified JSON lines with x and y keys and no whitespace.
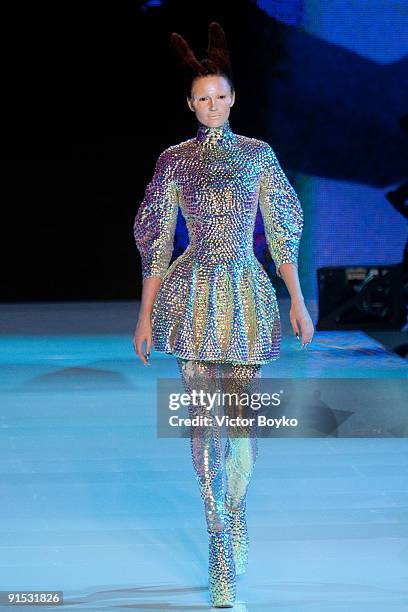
{"x":211,"y":100}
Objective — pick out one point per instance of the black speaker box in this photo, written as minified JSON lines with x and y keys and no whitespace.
{"x":361,"y":297}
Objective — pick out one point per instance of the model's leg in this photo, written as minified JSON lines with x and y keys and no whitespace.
{"x":206,"y":444}
{"x":241,"y":452}
{"x":207,"y":455}
{"x":241,"y":448}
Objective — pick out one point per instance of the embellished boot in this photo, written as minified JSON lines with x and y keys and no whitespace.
{"x":221,"y":569}
{"x":239,"y":531}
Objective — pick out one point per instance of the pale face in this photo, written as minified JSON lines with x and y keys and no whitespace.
{"x":211,"y":100}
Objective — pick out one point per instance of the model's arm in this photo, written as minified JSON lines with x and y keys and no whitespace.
{"x":289,"y":273}
{"x":143,"y":331}
{"x":154,"y":229}
{"x":283,"y":222}
{"x":150,"y":288}
{"x":281,"y":212}
{"x":156,"y":219}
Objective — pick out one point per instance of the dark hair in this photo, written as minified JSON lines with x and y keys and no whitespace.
{"x":211,"y":69}
{"x":216,"y":63}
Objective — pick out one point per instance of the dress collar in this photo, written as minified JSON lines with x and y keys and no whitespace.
{"x":215,"y":136}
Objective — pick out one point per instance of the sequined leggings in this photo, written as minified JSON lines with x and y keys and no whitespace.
{"x":241,"y":448}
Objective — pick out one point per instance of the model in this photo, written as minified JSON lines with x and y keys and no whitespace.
{"x":214,"y":308}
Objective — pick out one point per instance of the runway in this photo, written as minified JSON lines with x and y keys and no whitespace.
{"x":95,"y":505}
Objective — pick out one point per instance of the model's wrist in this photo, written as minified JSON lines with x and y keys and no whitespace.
{"x":299,"y":299}
{"x":144,"y":317}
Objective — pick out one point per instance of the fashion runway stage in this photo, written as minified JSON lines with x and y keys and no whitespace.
{"x":96,"y":505}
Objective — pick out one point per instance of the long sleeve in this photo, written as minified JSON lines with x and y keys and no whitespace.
{"x":281,"y":212}
{"x":156,"y":219}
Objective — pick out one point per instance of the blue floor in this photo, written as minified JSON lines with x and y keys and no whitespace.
{"x":94,"y":504}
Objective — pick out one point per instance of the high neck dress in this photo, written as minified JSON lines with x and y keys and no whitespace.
{"x":216,"y":302}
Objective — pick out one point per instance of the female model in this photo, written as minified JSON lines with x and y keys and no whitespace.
{"x":215,"y":308}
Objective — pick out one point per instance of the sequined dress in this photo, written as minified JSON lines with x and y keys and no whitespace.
{"x":215,"y":301}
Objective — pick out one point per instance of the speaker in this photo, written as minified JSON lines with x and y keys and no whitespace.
{"x":361,"y":297}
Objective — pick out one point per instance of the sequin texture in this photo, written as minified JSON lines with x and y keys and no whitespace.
{"x":222,"y":578}
{"x":215,"y":301}
{"x":239,"y":532}
{"x":241,"y":447}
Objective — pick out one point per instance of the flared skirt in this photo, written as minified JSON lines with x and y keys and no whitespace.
{"x":222,"y":312}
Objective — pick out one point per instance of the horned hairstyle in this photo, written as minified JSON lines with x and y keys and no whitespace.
{"x":217,"y":61}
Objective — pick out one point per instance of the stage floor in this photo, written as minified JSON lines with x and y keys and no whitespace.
{"x":94,"y":504}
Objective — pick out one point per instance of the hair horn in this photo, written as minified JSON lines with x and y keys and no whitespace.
{"x":185,"y":53}
{"x":217,"y":50}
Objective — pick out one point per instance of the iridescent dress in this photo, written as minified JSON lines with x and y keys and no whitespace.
{"x":216,"y":302}
{"x":216,"y":309}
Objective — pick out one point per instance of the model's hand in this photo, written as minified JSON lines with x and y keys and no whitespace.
{"x":143,"y":333}
{"x":299,"y":316}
